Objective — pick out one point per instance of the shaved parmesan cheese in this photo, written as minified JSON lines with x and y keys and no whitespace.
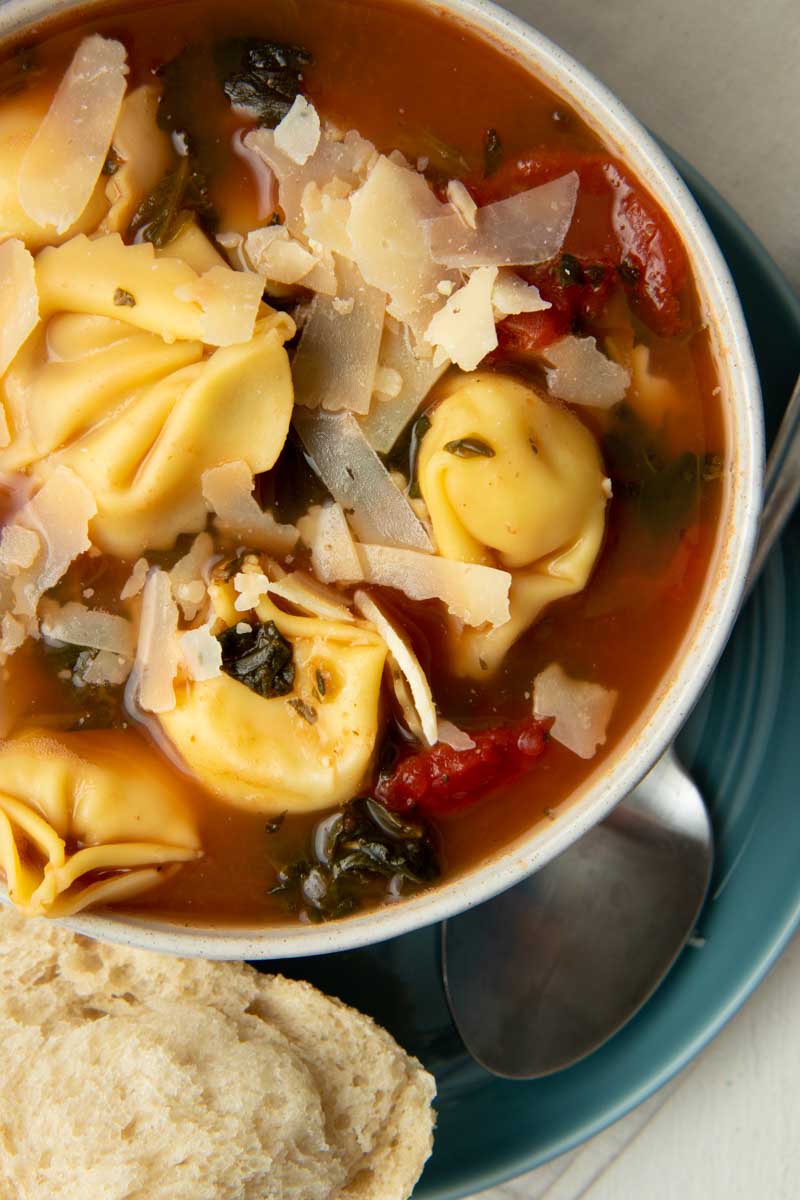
{"x":277,"y":256}
{"x":462,"y":202}
{"x":581,"y":374}
{"x":407,"y":662}
{"x":228,"y":491}
{"x":386,"y":229}
{"x":59,"y":513}
{"x":18,"y":549}
{"x":19,"y":299}
{"x":454,"y":737}
{"x":337,"y":357}
{"x":582,"y":711}
{"x":78,"y":625}
{"x":12,"y":635}
{"x":156,"y":664}
{"x":326,"y":212}
{"x":464,"y":328}
{"x":388,"y":383}
{"x":297,"y":135}
{"x":250,"y":586}
{"x":512,"y":295}
{"x":201,"y":653}
{"x":387,"y":419}
{"x":305,"y":593}
{"x":524,"y":229}
{"x":218,"y":307}
{"x":333,"y":552}
{"x":358,"y":480}
{"x":106,"y":668}
{"x":136,"y":580}
{"x":347,"y":158}
{"x":61,"y":166}
{"x":228,"y":302}
{"x":472,"y":592}
{"x":187,"y":576}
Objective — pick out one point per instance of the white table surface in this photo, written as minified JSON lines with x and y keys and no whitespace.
{"x":719,"y":81}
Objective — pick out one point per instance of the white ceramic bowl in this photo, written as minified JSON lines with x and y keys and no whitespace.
{"x":661,"y":720}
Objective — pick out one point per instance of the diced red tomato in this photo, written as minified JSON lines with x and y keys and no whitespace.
{"x":620,"y":219}
{"x":443,"y":780}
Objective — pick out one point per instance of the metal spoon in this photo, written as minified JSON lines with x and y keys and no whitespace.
{"x":543,"y":974}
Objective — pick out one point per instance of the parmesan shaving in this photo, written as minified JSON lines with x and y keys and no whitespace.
{"x":472,"y":592}
{"x":78,"y":625}
{"x":407,"y":662}
{"x":464,"y":328}
{"x":298,"y":134}
{"x":19,"y":300}
{"x":250,"y":586}
{"x":386,"y":229}
{"x":201,"y":653}
{"x":454,"y":737}
{"x":276,"y":255}
{"x":387,"y":419}
{"x":83,"y":276}
{"x":263,"y":177}
{"x":187,"y":576}
{"x":460,"y":200}
{"x":12,"y":635}
{"x":107,"y":668}
{"x":305,"y":593}
{"x":156,"y":665}
{"x":388,"y":383}
{"x":512,"y":295}
{"x":62,"y":165}
{"x":581,"y":710}
{"x":523,"y":230}
{"x":347,"y":158}
{"x":326,"y":213}
{"x":337,"y":358}
{"x":136,"y":579}
{"x":333,"y":552}
{"x":59,"y":514}
{"x":581,"y":374}
{"x":358,"y":480}
{"x":18,"y":549}
{"x":228,"y":491}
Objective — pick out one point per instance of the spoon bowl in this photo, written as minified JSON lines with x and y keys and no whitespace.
{"x":545,"y":973}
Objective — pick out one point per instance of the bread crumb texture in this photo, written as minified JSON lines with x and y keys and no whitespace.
{"x":131,"y":1075}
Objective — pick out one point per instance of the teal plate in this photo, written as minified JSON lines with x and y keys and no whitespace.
{"x":742,"y":746}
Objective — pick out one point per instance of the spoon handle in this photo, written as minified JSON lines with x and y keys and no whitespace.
{"x":781,"y":486}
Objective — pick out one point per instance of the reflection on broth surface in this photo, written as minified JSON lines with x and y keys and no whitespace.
{"x":363,"y":462}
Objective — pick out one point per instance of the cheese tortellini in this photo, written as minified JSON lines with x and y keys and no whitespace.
{"x":84,"y":821}
{"x":308,"y":750}
{"x":140,"y":419}
{"x":512,"y":481}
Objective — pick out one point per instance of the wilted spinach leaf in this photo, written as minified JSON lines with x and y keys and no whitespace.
{"x":161,"y":215}
{"x":665,"y":489}
{"x":354,"y":848}
{"x":469,"y":447}
{"x":261,"y":77}
{"x":260,"y":658}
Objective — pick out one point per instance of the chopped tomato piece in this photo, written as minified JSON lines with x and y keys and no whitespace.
{"x":444,"y":780}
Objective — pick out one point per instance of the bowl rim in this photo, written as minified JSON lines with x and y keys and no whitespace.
{"x":713,"y":620}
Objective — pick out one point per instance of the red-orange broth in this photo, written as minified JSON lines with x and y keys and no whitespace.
{"x":408,"y":77}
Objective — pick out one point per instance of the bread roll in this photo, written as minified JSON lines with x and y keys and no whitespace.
{"x":131,"y":1075}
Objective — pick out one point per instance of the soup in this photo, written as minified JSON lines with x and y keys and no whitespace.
{"x":362,"y":458}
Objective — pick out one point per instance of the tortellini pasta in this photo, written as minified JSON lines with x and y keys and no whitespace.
{"x":514,"y":481}
{"x":140,"y":420}
{"x":310,"y":749}
{"x":83,"y":821}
